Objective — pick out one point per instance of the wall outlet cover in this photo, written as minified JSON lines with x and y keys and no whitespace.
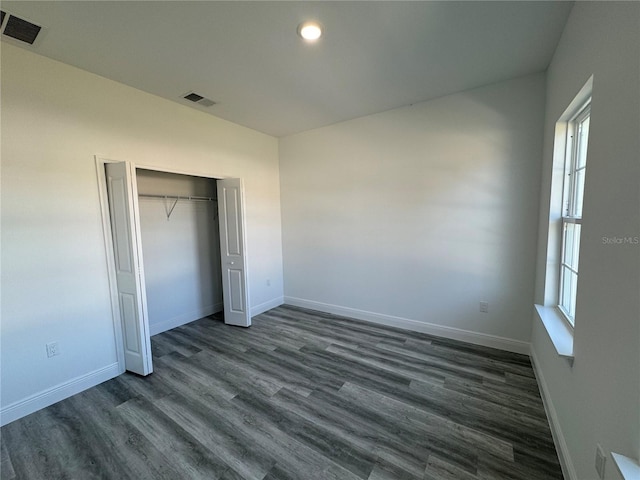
{"x":53,"y":349}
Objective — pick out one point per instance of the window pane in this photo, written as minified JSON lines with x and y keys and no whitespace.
{"x":576,"y":247}
{"x":565,"y":290}
{"x":578,"y":192}
{"x":573,"y":193}
{"x":574,"y":295}
{"x":571,"y":245}
{"x":583,"y":137}
{"x":569,"y":284}
{"x":567,"y":245}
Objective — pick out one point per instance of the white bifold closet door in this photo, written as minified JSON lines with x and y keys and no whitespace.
{"x":125,"y":229}
{"x":232,"y":252}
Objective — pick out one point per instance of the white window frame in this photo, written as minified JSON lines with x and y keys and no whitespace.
{"x":572,"y":201}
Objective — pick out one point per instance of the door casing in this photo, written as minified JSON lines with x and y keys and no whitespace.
{"x":100,"y":162}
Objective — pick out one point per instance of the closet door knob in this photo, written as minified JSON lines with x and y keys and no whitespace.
{"x":231,"y":263}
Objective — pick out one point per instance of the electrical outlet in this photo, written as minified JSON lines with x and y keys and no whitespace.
{"x":53,"y":349}
{"x":484,"y":307}
{"x":600,"y":461}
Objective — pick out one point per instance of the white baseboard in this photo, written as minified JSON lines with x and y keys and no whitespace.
{"x":568,"y":470}
{"x":59,"y":392}
{"x":263,"y":307}
{"x":180,"y":320}
{"x":476,"y":338}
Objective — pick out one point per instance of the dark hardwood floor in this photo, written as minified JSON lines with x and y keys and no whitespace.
{"x":300,"y":395}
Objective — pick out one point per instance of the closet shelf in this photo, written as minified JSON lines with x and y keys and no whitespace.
{"x":175,"y":198}
{"x":179,"y":197}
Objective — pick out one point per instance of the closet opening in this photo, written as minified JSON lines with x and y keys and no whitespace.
{"x":180,"y":247}
{"x":175,"y":250}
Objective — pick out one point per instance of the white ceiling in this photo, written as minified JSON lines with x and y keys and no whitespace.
{"x":374,"y":56}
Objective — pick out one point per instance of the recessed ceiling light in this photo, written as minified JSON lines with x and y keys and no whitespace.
{"x":310,"y":31}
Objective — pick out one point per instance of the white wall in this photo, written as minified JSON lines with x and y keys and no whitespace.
{"x":181,"y":252}
{"x":598,"y":399}
{"x":413,"y":216}
{"x":55,"y":118}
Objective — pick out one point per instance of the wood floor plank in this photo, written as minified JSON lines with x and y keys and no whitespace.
{"x":260,"y":368}
{"x":385,"y":361}
{"x":395,"y":449}
{"x":444,"y":365}
{"x":26,"y":441}
{"x":351,"y":457}
{"x":498,"y":393}
{"x":439,"y":469}
{"x":108,"y":436}
{"x":6,"y":467}
{"x":403,"y":448}
{"x":390,"y":472}
{"x":435,"y":427}
{"x":172,"y":343}
{"x":460,"y":352}
{"x":299,"y":395}
{"x":183,"y":451}
{"x":180,"y":372}
{"x":211,"y":422}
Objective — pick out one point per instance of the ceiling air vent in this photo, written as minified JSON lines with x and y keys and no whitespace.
{"x":199,"y":99}
{"x":20,"y":29}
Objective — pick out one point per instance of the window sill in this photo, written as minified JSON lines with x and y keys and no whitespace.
{"x":559,"y":332}
{"x":628,"y":468}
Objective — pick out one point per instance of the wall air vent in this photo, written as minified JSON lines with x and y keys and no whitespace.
{"x":20,"y":29}
{"x":199,"y":99}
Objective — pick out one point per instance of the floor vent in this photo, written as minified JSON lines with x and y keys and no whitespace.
{"x":19,"y":29}
{"x":199,"y":99}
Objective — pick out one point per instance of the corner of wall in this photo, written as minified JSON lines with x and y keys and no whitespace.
{"x":568,"y":470}
{"x":57,"y":393}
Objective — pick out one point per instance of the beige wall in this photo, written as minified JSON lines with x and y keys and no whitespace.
{"x":412,"y":217}
{"x":597,"y":401}
{"x":55,"y":118}
{"x":181,"y":249}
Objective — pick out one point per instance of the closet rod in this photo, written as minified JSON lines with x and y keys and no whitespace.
{"x":179,"y":197}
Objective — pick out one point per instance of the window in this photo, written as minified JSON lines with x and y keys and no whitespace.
{"x":572,"y":199}
{"x":556,"y":307}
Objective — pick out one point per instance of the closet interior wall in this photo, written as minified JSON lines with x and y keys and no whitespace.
{"x":180,"y":248}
